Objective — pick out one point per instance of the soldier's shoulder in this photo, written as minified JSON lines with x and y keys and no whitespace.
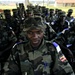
{"x":50,"y":45}
{"x":27,"y":46}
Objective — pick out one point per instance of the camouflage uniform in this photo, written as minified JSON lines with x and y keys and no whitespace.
{"x":7,"y":40}
{"x":38,"y":61}
{"x":28,"y":60}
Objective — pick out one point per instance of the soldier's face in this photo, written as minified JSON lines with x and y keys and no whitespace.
{"x":62,"y":18}
{"x":35,"y":36}
{"x":70,"y":13}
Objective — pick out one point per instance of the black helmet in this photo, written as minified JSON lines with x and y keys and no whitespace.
{"x":7,"y":12}
{"x":70,"y":10}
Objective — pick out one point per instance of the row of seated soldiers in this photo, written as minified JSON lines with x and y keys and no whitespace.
{"x":59,"y":28}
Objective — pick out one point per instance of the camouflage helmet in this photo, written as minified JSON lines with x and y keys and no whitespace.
{"x":28,"y":11}
{"x":33,"y":23}
{"x":36,"y":12}
{"x":61,"y":14}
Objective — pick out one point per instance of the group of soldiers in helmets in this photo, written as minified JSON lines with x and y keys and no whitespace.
{"x":37,"y":41}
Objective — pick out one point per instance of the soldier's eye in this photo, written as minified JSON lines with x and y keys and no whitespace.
{"x":38,"y":32}
{"x":30,"y":32}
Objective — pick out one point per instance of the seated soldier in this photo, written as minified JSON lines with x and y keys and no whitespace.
{"x":37,"y":56}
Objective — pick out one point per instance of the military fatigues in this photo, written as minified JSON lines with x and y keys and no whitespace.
{"x":37,"y":61}
{"x":7,"y":40}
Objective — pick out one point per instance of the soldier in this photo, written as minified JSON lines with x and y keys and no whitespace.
{"x":70,"y":19}
{"x":69,"y":14}
{"x":60,"y":23}
{"x":48,"y":29}
{"x":37,"y":56}
{"x":29,"y":13}
{"x":50,"y":18}
{"x":7,"y":40}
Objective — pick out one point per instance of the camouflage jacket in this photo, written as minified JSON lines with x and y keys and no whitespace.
{"x":37,"y":61}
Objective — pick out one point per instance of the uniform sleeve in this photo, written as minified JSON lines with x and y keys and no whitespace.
{"x":64,"y":64}
{"x":61,"y":65}
{"x":10,"y":67}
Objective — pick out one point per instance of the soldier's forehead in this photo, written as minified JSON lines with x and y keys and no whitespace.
{"x":35,"y":30}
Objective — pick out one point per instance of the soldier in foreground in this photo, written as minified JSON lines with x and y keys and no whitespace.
{"x":37,"y":56}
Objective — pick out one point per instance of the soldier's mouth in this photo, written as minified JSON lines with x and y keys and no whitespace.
{"x":35,"y":42}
